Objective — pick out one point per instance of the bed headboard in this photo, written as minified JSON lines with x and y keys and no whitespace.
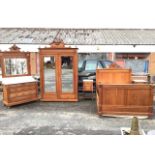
{"x":113,"y":76}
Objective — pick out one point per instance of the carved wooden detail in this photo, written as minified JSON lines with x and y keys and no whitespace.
{"x":57,"y":44}
{"x":14,"y":47}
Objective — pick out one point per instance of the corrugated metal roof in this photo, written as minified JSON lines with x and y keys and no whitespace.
{"x":78,"y":36}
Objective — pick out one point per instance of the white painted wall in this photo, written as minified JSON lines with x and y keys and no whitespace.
{"x":88,"y":48}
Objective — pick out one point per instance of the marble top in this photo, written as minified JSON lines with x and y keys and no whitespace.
{"x":0,"y":78}
{"x":139,"y":80}
{"x":17,"y":80}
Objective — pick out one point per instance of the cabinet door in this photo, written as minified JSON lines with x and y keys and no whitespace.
{"x":67,"y":77}
{"x":49,"y":76}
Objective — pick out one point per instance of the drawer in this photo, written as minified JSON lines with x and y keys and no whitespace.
{"x":23,"y":93}
{"x":20,"y":87}
{"x":22,"y":98}
{"x":87,"y":86}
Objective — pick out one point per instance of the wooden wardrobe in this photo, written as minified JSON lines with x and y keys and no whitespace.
{"x":58,"y":73}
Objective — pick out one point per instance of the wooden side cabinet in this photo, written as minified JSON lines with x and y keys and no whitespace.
{"x":88,"y":85}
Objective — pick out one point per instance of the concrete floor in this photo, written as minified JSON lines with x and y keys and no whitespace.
{"x":53,"y":118}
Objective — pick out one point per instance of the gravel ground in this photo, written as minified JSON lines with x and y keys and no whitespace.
{"x":62,"y":118}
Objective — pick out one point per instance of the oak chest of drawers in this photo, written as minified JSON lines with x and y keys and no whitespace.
{"x":20,"y":93}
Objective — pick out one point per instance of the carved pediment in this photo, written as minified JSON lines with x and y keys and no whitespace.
{"x":14,"y":48}
{"x":57,"y":44}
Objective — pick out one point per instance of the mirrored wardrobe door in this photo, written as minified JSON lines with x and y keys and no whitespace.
{"x":67,"y":74}
{"x":49,"y":74}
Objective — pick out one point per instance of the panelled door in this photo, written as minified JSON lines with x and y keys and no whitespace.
{"x":58,"y":74}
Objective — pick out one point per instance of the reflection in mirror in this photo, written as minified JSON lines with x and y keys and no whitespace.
{"x":15,"y":66}
{"x":67,"y":74}
{"x":0,"y":68}
{"x":49,"y":74}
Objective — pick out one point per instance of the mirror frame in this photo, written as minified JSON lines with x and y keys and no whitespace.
{"x":15,"y":53}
